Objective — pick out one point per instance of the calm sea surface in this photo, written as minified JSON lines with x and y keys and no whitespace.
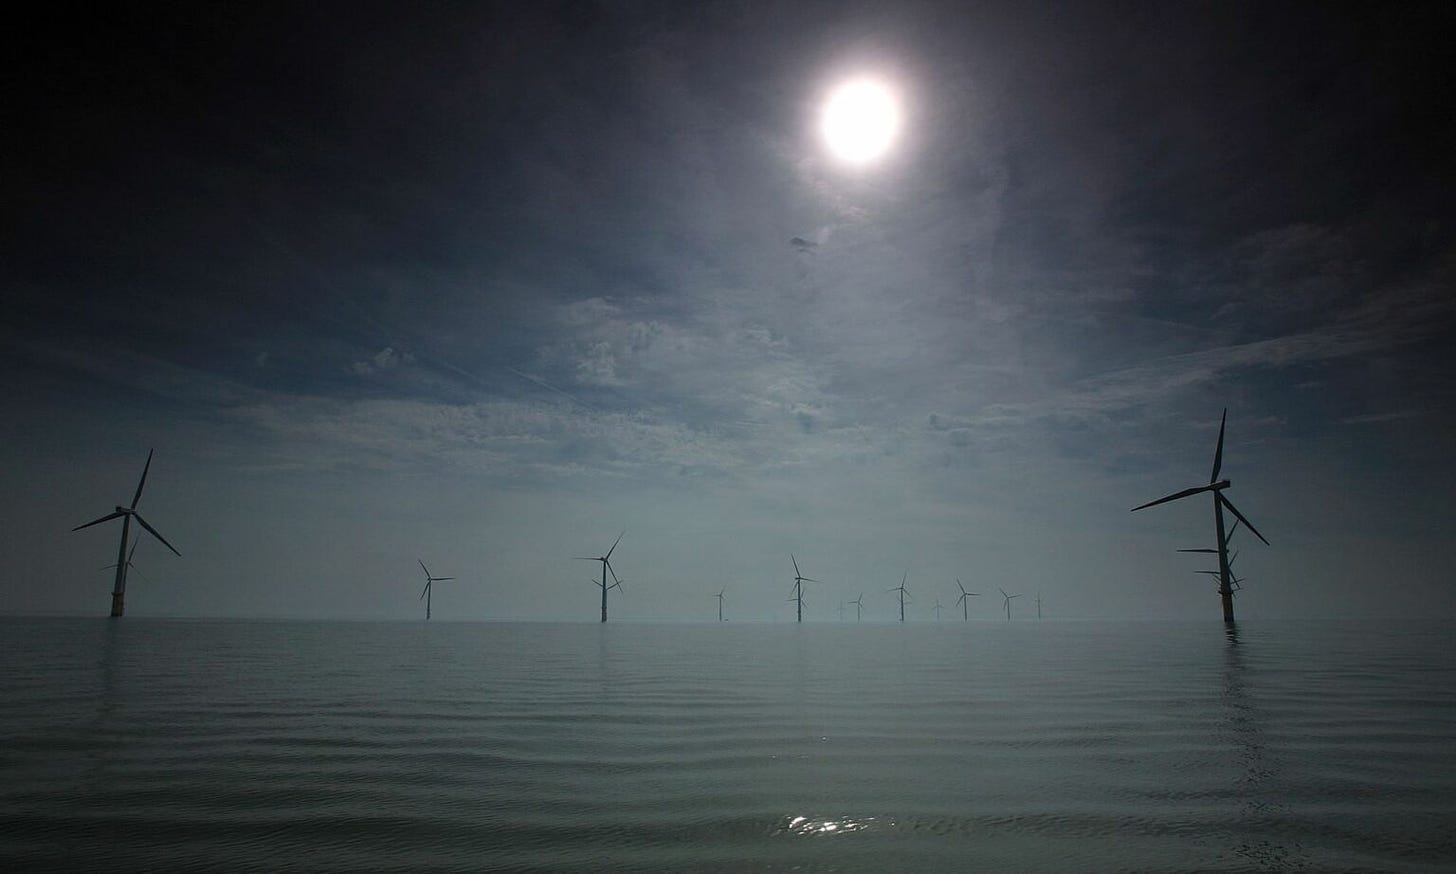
{"x":945,"y":746}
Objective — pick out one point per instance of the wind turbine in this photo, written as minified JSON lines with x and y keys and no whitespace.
{"x":1008,"y":601}
{"x":840,"y":611}
{"x":126,"y":514}
{"x":903,"y":593}
{"x":425,"y":594}
{"x":130,"y":564}
{"x":606,"y":561}
{"x":799,"y":581}
{"x":858,"y":606}
{"x":1216,"y":485}
{"x":1038,"y":605}
{"x":964,"y":601}
{"x":719,"y":596}
{"x":937,"y":608}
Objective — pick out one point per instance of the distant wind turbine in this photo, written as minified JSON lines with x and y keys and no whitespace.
{"x":126,"y":514}
{"x":858,"y":606}
{"x":719,"y":596}
{"x":1008,"y":601}
{"x":1216,"y":485}
{"x":903,"y":593}
{"x":1038,"y":605}
{"x":606,"y":561}
{"x":840,"y":610}
{"x":798,"y":590}
{"x":937,"y":608}
{"x":130,"y":563}
{"x":964,"y":601}
{"x":429,"y":580}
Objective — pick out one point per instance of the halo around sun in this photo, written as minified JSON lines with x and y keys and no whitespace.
{"x":860,"y":120}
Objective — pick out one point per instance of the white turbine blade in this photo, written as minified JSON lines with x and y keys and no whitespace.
{"x":1218,"y":453}
{"x":138,"y":496}
{"x":1173,"y":497}
{"x":142,"y":522}
{"x":1247,"y":524}
{"x":117,"y":515}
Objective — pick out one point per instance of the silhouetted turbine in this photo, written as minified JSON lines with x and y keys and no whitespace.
{"x":719,"y":596}
{"x":426,"y":592}
{"x":798,"y":590}
{"x":1216,"y":486}
{"x":1008,"y":601}
{"x":937,"y":608}
{"x":964,"y":602}
{"x":904,"y":593}
{"x":858,"y":606}
{"x":126,"y":514}
{"x":606,"y":561}
{"x":1038,"y":605}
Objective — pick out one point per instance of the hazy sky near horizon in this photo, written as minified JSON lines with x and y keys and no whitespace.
{"x":488,"y":284}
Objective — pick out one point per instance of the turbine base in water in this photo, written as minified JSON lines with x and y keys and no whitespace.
{"x":118,"y":605}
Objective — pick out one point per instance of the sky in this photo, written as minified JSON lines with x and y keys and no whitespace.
{"x":487,"y":285}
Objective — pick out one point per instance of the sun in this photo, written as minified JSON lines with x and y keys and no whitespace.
{"x":860,"y":121}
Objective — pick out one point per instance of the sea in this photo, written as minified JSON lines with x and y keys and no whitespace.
{"x":146,"y":744}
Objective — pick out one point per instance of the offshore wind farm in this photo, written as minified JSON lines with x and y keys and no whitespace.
{"x":428,"y":299}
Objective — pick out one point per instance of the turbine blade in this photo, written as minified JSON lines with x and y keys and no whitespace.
{"x":117,"y":515}
{"x":142,"y":522}
{"x":1235,"y":510}
{"x":138,"y":496}
{"x":1230,"y":535}
{"x":1003,"y":592}
{"x":807,"y":580}
{"x":132,"y":554}
{"x":1218,"y":453}
{"x":440,"y":579}
{"x":1173,"y":497}
{"x":1209,"y":551}
{"x":423,"y":591}
{"x":797,"y":573}
{"x":423,"y":568}
{"x":614,"y":544}
{"x":961,"y":587}
{"x":584,"y":558}
{"x":612,"y":569}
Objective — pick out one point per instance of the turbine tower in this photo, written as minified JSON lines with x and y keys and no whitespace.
{"x":126,"y":514}
{"x":719,"y":596}
{"x":606,"y":561}
{"x":964,"y":601}
{"x":799,"y":581}
{"x":1220,"y":503}
{"x":425,"y":594}
{"x":858,"y":606}
{"x":1008,"y":601}
{"x":1038,"y":605}
{"x":903,"y":593}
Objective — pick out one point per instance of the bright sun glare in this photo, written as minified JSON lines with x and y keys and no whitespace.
{"x":860,"y":120}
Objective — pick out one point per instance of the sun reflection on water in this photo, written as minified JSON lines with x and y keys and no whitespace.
{"x":805,"y":825}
